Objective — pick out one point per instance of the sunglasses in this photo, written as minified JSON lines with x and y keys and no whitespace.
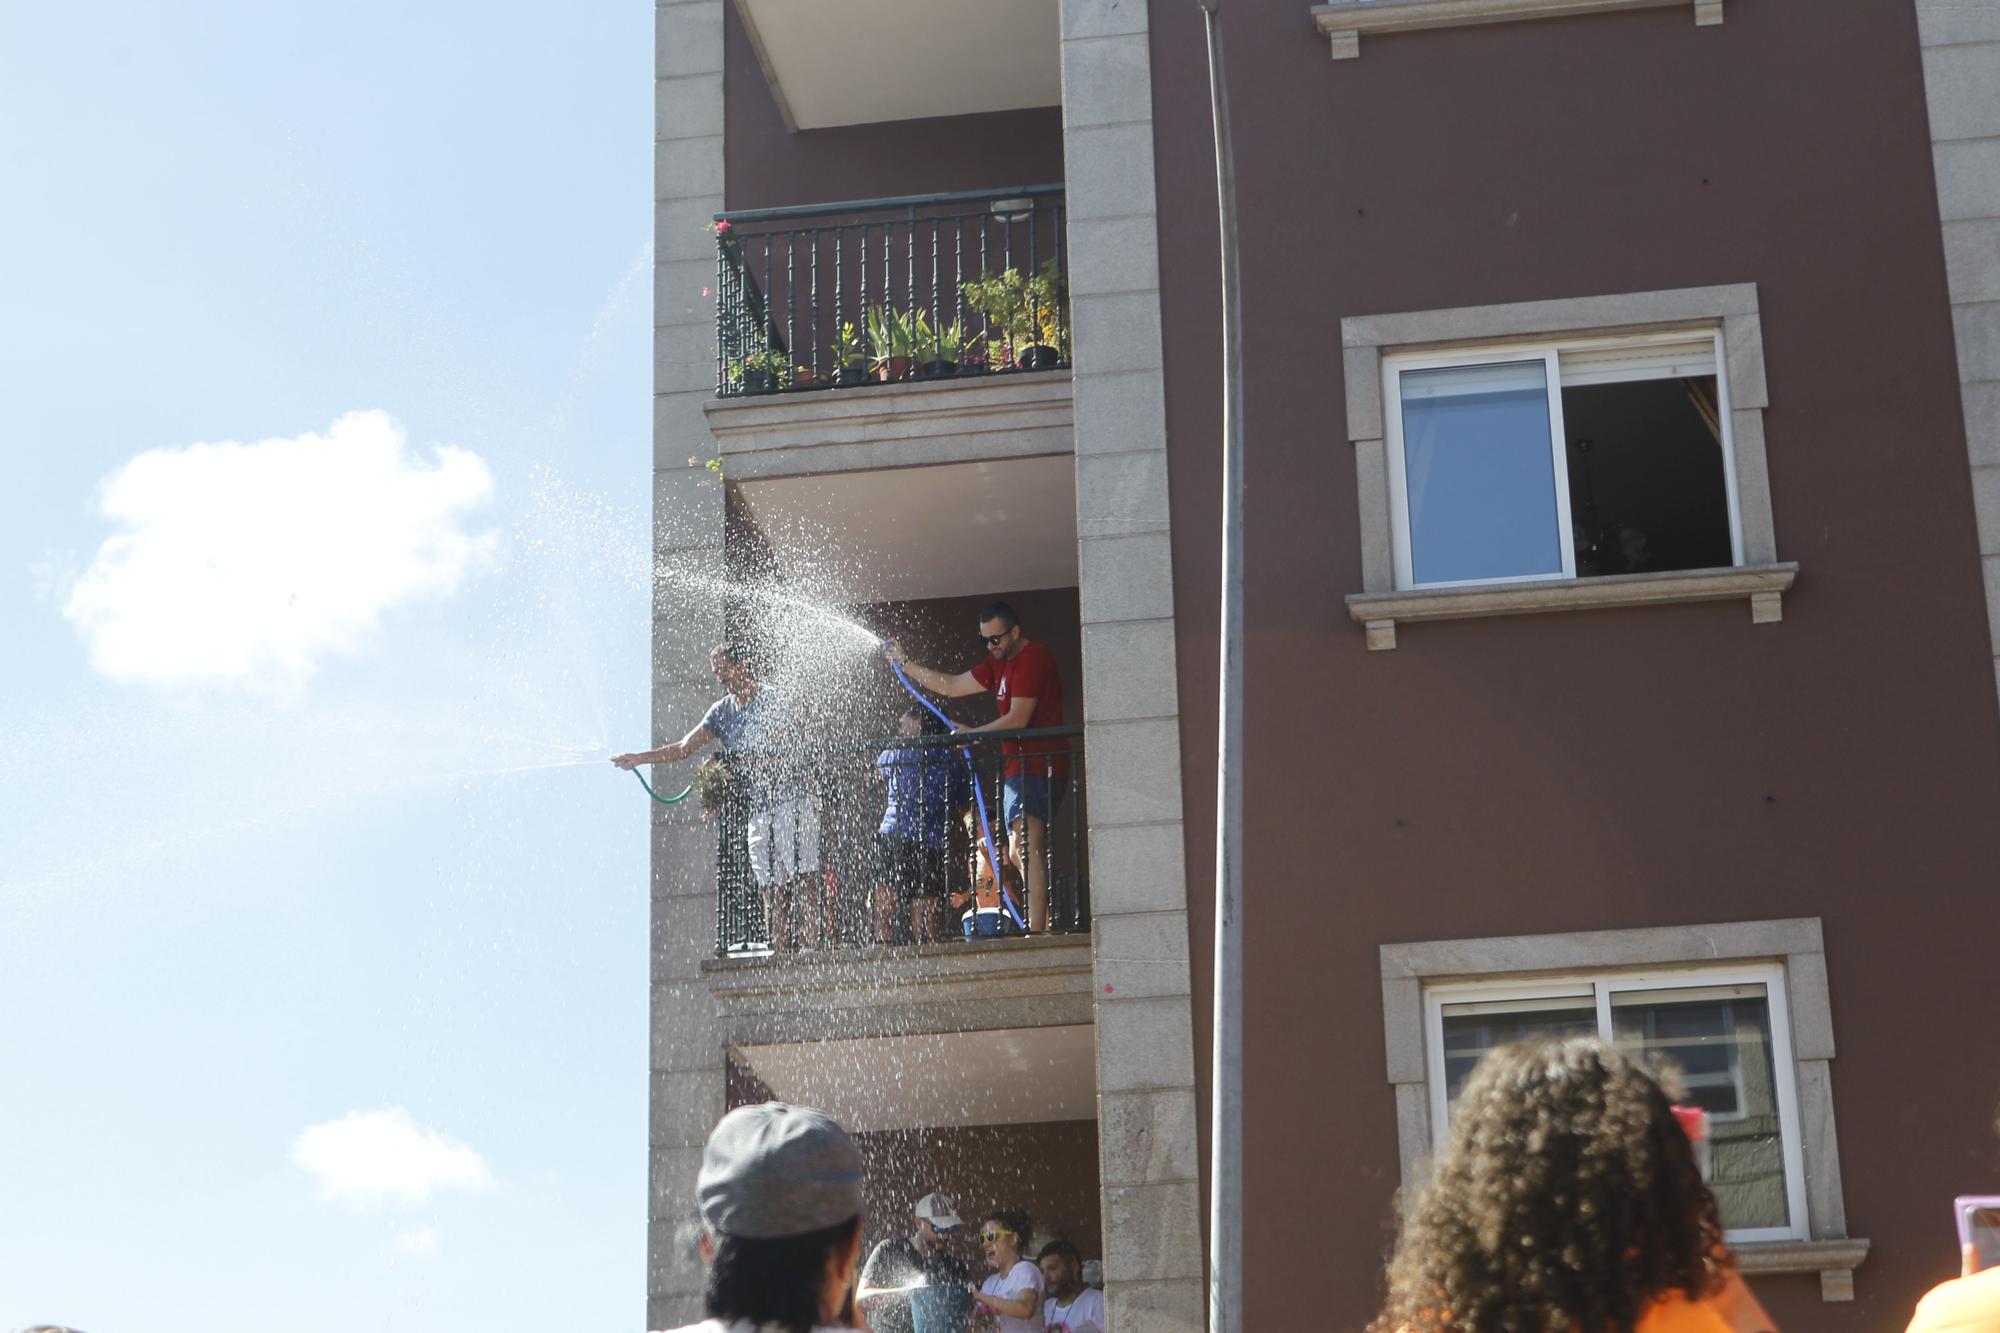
{"x":989,"y":1235}
{"x":995,"y":640}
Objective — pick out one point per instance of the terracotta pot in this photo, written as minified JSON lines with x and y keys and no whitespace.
{"x":896,"y":368}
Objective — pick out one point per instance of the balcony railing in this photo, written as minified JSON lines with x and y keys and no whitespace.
{"x":839,"y":904}
{"x":880,"y":290}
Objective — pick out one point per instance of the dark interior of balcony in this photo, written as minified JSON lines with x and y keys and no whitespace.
{"x":996,"y":1119}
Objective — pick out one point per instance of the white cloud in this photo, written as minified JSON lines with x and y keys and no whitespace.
{"x":250,"y":564}
{"x":374,"y":1157}
{"x":423,"y":1244}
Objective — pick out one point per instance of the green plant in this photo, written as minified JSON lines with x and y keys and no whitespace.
{"x":941,"y":344}
{"x":766,"y":361}
{"x":1025,"y":311}
{"x":848,"y":348}
{"x":714,"y":784}
{"x":891,"y":335}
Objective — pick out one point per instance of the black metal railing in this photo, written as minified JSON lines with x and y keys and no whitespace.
{"x":848,"y":894}
{"x":877,"y":290}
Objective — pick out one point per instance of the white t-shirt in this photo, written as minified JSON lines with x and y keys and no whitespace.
{"x":1010,"y":1286}
{"x":1085,"y":1314}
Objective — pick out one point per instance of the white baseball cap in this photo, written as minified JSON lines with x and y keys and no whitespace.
{"x":937,"y":1210}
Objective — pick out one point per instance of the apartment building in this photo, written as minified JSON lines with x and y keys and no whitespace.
{"x":1623,"y":416}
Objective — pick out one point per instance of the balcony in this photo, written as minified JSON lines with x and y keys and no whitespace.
{"x":845,"y":783}
{"x":918,"y":289}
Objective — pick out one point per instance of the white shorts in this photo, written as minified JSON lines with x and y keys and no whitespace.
{"x":784,"y":842}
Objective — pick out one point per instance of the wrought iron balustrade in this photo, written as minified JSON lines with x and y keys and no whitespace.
{"x":879,"y":290}
{"x":845,"y":788}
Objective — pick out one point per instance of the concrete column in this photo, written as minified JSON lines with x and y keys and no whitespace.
{"x":687,"y":1083}
{"x":1961,"y":51}
{"x":1149,"y":1156}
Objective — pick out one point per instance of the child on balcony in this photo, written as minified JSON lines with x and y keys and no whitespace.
{"x":926,"y":782}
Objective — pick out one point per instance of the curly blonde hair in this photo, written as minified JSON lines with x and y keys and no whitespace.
{"x":1567,"y":1199}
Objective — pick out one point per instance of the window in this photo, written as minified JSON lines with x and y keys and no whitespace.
{"x":1583,"y":458}
{"x":1741,"y":1009}
{"x":1719,"y":1038}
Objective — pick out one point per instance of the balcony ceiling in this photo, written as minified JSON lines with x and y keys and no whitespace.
{"x":1009,"y":1076}
{"x":954,"y":530}
{"x":858,"y":62}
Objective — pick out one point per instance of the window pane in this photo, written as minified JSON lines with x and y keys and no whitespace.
{"x":1716,"y":1043}
{"x":1471,"y":1030}
{"x":1479,"y":473}
{"x":1646,"y":484}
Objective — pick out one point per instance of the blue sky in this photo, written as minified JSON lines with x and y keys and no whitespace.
{"x":322,"y":922}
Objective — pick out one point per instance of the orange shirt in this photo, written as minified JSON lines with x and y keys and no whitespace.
{"x":1963,"y":1305}
{"x":1678,"y":1314}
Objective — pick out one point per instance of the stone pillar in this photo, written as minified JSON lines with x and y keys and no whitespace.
{"x":1961,"y":51}
{"x":1149,"y":1155}
{"x":687,"y":1071}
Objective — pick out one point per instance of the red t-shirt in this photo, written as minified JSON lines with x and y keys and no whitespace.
{"x":1029,"y":674}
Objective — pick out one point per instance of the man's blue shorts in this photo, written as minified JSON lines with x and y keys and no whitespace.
{"x":1031,"y":794}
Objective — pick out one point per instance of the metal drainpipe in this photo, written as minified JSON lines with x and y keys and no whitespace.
{"x":1225,"y":1219}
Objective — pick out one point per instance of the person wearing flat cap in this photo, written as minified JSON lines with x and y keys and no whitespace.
{"x":780,"y":1200}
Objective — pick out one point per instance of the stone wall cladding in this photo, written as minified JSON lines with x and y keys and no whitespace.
{"x":1149,"y":1155}
{"x":1961,"y":49}
{"x":688,"y":1082}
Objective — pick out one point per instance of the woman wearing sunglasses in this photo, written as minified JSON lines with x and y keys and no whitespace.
{"x":1013,"y":1293}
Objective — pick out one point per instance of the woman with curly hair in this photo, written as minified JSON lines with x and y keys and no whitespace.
{"x":1567,"y":1199}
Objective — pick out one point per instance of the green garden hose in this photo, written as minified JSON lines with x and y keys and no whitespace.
{"x":663,"y":800}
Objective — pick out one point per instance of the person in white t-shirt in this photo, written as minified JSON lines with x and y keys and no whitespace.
{"x":1013,"y":1292}
{"x":1071,"y":1307}
{"x":780,"y":1196}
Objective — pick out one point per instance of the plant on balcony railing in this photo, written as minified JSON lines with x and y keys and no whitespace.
{"x":884,"y":290}
{"x":1030,"y":313}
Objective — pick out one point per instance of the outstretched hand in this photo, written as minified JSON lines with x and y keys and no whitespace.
{"x":628,"y":762}
{"x":893,"y":651}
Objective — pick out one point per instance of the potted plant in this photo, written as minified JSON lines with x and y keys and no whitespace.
{"x":850,"y":356}
{"x":761,"y":370}
{"x":939,"y":349}
{"x":891,"y":343}
{"x":1027,"y":311}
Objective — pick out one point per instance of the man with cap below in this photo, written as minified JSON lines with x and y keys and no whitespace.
{"x":915,"y":1285}
{"x":780,"y":1199}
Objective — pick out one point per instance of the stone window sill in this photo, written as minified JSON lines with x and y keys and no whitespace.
{"x":1343,"y":21}
{"x":1834,"y":1261}
{"x":1760,"y":585}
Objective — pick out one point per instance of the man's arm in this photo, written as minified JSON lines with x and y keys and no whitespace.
{"x":667,"y":754}
{"x":937,"y":682}
{"x":1014,"y":719}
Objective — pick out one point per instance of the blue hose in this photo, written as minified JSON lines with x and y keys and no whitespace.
{"x":978,"y":795}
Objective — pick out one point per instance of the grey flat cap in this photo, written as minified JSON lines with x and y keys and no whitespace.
{"x":777,"y":1170}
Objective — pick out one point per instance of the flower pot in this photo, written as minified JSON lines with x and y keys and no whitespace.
{"x":757,"y":381}
{"x":803,"y":377}
{"x":848,"y":376}
{"x":894,"y":368}
{"x":1036,"y":356}
{"x":940,"y":369}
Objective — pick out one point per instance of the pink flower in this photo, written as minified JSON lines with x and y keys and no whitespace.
{"x":722,"y":227}
{"x":708,"y":291}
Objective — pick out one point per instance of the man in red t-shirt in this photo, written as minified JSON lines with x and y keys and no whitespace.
{"x":1021,"y":675}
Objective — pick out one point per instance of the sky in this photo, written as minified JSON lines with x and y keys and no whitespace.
{"x":324,"y":339}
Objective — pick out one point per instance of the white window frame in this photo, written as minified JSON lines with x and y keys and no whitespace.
{"x":1759,"y":578}
{"x":1599,"y":986}
{"x":1550,"y":354}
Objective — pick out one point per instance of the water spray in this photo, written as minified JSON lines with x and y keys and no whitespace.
{"x":978,"y":794}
